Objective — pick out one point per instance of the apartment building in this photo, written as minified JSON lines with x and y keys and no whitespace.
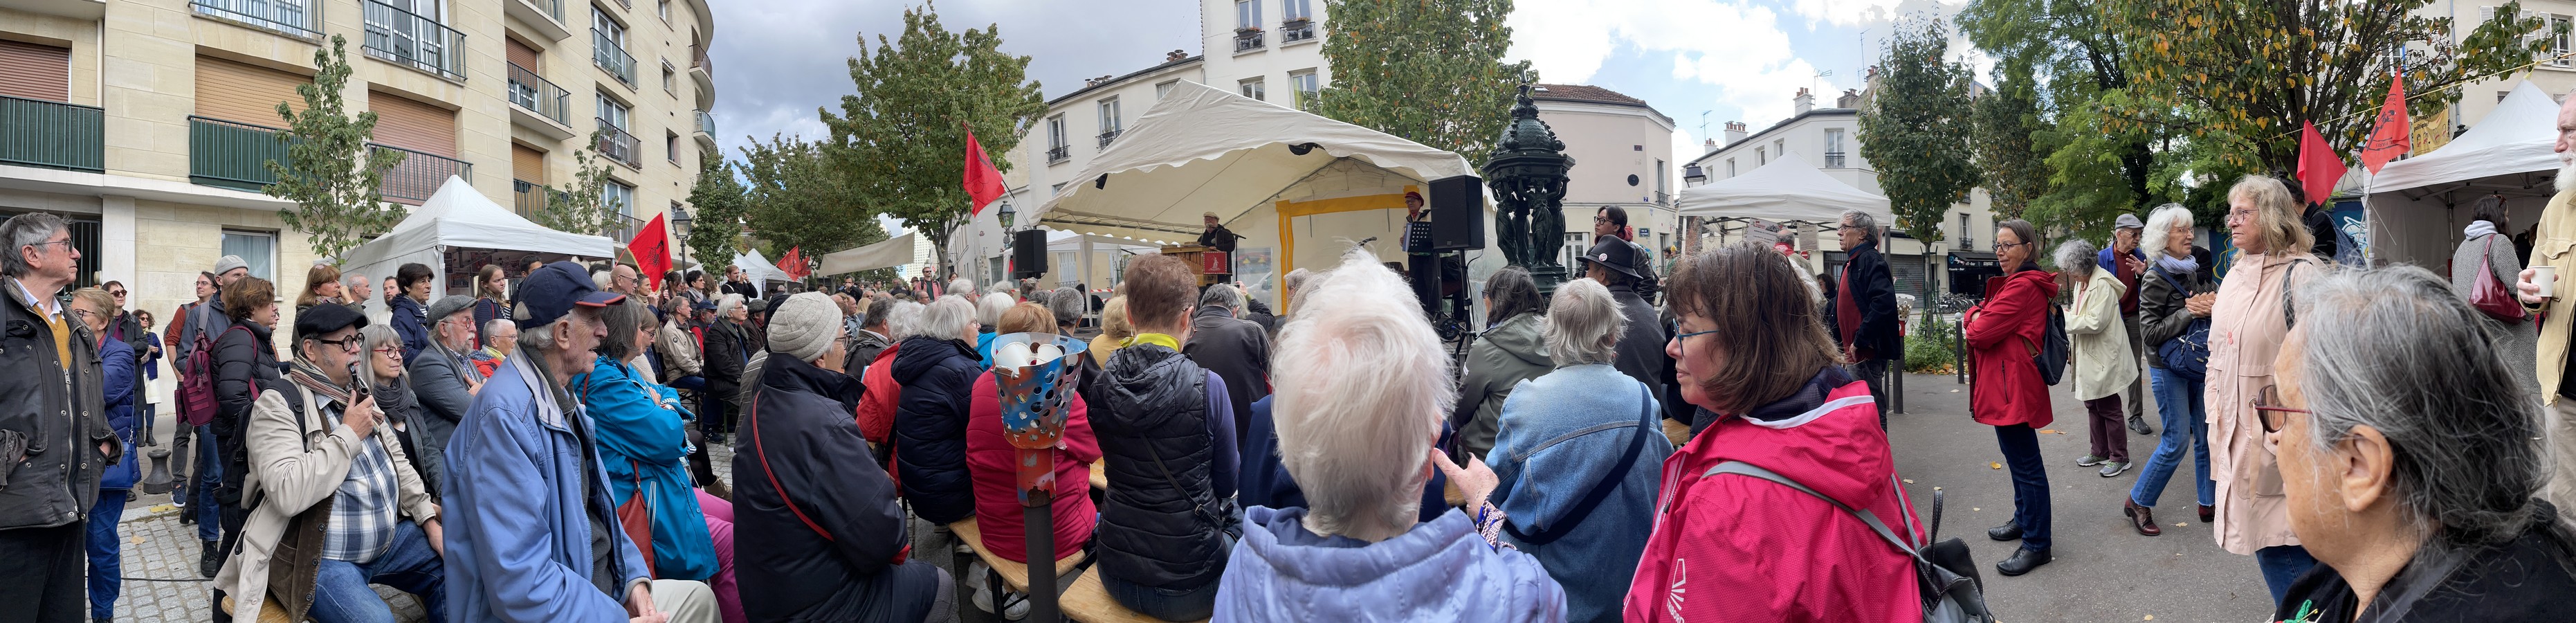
{"x":145,"y":122}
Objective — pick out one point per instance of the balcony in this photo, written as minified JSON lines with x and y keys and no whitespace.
{"x":55,"y":135}
{"x":528,"y":198}
{"x":1247,"y":39}
{"x":537,"y":104}
{"x":706,"y":133}
{"x":702,"y":71}
{"x":616,"y":144}
{"x":1059,"y":153}
{"x":1834,"y":160}
{"x":622,"y":228}
{"x":408,"y":39}
{"x":418,"y":175}
{"x":75,"y":9}
{"x":1295,"y":30}
{"x":611,"y":58}
{"x":293,"y":18}
{"x":231,"y":154}
{"x":1106,"y":137}
{"x":544,"y":16}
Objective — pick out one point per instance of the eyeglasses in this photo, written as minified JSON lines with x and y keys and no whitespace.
{"x":351,"y":344}
{"x":1600,"y":219}
{"x":1678,"y":338}
{"x":1999,"y":246}
{"x":389,"y":350}
{"x":2267,"y":407}
{"x":119,"y":293}
{"x":81,"y":312}
{"x":67,"y":244}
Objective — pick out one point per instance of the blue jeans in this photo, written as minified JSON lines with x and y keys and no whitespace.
{"x":2283,"y":564}
{"x":409,"y":565}
{"x":2178,"y":401}
{"x":104,"y":558}
{"x":1170,"y":604}
{"x":2030,"y":483}
{"x":209,"y":476}
{"x":691,"y":382}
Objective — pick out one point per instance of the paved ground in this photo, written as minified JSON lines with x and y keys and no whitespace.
{"x":2104,"y":571}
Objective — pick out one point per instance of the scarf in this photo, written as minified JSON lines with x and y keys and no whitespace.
{"x":2479,"y":229}
{"x":310,"y":377}
{"x":2177,"y":265}
{"x":1158,"y":339}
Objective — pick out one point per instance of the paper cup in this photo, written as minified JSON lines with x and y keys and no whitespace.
{"x":2547,"y":278}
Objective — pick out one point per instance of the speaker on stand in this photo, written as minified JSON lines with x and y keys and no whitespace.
{"x":1029,"y":254}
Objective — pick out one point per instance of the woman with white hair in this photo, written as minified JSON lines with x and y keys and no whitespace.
{"x":2409,"y":460}
{"x":2173,"y":306}
{"x":1729,"y":546}
{"x":2248,"y":321}
{"x":2487,"y":247}
{"x":1579,"y":456}
{"x":2098,"y":340}
{"x":936,"y":370}
{"x":988,"y":314}
{"x":1361,"y":443}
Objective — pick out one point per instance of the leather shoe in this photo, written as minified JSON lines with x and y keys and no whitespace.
{"x":211,"y":559}
{"x":2138,"y":424}
{"x":2141,"y":517}
{"x":2208,"y":513}
{"x":2023,"y":560}
{"x":2006,"y":532}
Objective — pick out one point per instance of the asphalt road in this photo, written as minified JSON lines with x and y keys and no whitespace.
{"x":2104,"y":571}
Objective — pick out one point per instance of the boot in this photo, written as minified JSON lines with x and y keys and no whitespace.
{"x":211,"y":560}
{"x":2023,"y":560}
{"x":2208,"y":513}
{"x":2006,"y":532}
{"x":2140,"y":517}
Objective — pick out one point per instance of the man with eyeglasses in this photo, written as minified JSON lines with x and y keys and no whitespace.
{"x":54,"y":434}
{"x":445,"y":380}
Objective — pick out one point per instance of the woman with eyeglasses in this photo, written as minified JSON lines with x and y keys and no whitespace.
{"x":2247,"y":325}
{"x":391,"y":375}
{"x":2006,"y":392}
{"x":95,"y":309}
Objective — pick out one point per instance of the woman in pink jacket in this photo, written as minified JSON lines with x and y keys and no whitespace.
{"x":2007,"y":393}
{"x":1732,"y":547}
{"x":2247,"y":325}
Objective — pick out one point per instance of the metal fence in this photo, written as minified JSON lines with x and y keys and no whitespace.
{"x":418,"y":175}
{"x":535,"y":93}
{"x":57,"y":135}
{"x":605,"y":52}
{"x":294,"y":17}
{"x":617,"y":145}
{"x":414,"y":40}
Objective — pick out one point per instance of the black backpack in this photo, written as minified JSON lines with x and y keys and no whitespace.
{"x":2051,"y":357}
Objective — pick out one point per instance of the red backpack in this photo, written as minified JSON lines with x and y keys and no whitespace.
{"x":196,"y":393}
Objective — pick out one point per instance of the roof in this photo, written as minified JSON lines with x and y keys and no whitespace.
{"x":1585,"y":93}
{"x":1750,"y":138}
{"x":1123,"y":79}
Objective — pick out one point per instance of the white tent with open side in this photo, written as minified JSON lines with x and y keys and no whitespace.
{"x":2418,"y":206}
{"x":887,"y":253}
{"x":457,"y":219}
{"x":1787,"y":189}
{"x":759,"y":270}
{"x":1276,"y":176}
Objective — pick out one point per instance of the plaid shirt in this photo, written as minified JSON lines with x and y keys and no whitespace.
{"x":364,"y":511}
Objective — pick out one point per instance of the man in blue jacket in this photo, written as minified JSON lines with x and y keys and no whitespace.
{"x":534,"y":537}
{"x":2125,"y":260}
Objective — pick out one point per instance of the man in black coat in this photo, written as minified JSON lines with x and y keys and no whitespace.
{"x":1863,"y":316}
{"x":53,"y":426}
{"x":1615,"y":263}
{"x":1237,"y":350}
{"x":728,"y":352}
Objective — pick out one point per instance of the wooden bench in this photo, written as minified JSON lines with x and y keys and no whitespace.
{"x":1678,"y":432}
{"x":1084,"y":600}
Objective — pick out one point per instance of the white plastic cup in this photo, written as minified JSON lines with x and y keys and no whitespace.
{"x":2547,"y":278}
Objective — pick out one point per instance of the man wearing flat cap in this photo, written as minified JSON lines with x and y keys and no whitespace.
{"x":1219,"y":238}
{"x":535,"y":537}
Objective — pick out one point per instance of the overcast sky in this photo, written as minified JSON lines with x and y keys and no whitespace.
{"x":1738,"y":60}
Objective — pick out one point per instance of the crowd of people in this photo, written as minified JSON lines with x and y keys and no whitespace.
{"x":2377,"y":439}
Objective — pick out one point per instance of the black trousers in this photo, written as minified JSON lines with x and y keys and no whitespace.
{"x":1424,"y":271}
{"x":43,"y":574}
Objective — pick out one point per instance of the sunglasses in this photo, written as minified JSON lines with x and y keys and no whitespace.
{"x":2267,"y":406}
{"x":116,"y":293}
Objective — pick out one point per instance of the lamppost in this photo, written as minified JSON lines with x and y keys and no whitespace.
{"x":1007,"y":216}
{"x":1527,"y":173}
{"x":680,"y":226}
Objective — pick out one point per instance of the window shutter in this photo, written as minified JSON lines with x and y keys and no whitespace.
{"x":408,"y":124}
{"x":522,"y":55}
{"x":245,"y":93}
{"x":35,"y":71}
{"x":527,"y":165}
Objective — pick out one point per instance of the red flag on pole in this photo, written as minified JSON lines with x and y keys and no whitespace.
{"x":983,"y":182}
{"x":2393,"y":136}
{"x":652,"y":249}
{"x":2319,"y":166}
{"x":794,"y":263}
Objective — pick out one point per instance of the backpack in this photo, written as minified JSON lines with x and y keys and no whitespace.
{"x":1945,"y":575}
{"x":196,"y":393}
{"x":2186,"y":355}
{"x":2051,"y":357}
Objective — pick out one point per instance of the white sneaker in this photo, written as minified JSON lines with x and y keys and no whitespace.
{"x":1018,"y":607}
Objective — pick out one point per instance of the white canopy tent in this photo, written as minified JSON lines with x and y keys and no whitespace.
{"x":896,"y":251}
{"x":1274,"y":175}
{"x":1787,"y":189}
{"x":2418,"y":206}
{"x":759,"y":270}
{"x":457,"y":218}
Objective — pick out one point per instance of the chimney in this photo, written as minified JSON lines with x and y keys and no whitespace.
{"x":1803,"y":102}
{"x":1176,"y":56}
{"x":1710,"y":146}
{"x":1849,"y":99}
{"x":1734,"y":132}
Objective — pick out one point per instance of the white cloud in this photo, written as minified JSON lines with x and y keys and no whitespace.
{"x":1738,"y":48}
{"x":1847,"y":12}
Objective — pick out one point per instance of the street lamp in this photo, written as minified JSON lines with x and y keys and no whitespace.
{"x":1007,"y":215}
{"x":680,"y":225}
{"x":1527,"y":173}
{"x":1693,"y":175}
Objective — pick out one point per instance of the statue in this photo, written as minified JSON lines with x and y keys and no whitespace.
{"x":1527,"y":173}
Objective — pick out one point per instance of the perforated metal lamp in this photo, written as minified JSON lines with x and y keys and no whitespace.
{"x":680,"y":228}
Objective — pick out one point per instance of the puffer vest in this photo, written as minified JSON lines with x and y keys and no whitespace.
{"x":1159,"y":523}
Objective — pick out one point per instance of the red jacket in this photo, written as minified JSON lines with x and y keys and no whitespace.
{"x":876,"y":409}
{"x":990,"y":461}
{"x":1739,"y":548}
{"x":2003,"y":332}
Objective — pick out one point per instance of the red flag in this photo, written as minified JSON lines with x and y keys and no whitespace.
{"x":2319,"y":166}
{"x":652,"y":249}
{"x":794,"y":263}
{"x":983,"y":182}
{"x":2394,"y":134}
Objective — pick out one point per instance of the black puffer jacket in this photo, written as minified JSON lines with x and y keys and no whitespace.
{"x":728,"y":349}
{"x":938,"y":379}
{"x":245,"y":365}
{"x":790,"y":569}
{"x":1154,"y":435}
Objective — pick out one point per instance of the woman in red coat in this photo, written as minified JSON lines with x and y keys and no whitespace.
{"x":2006,"y":391}
{"x":990,"y":461}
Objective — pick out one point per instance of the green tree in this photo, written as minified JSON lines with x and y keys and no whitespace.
{"x":582,"y":206}
{"x":2099,"y":149}
{"x":2011,"y":151}
{"x":1916,"y":129}
{"x":900,"y":145}
{"x":799,"y":201}
{"x":330,"y":173}
{"x":1430,"y":71}
{"x":715,"y":230}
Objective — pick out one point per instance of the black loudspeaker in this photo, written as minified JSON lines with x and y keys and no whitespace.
{"x":1457,"y":213}
{"x":1029,"y":253}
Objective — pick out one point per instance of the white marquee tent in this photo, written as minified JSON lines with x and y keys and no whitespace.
{"x":896,"y":251}
{"x":1787,"y":189}
{"x":2418,"y":206}
{"x":759,"y":270}
{"x":457,"y":218}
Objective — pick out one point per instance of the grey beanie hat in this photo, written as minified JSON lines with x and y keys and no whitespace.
{"x":803,"y":326}
{"x":228,"y":263}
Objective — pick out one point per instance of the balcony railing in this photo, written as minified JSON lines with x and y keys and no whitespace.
{"x":1106,"y":137}
{"x":622,"y":228}
{"x":617,"y":145}
{"x":605,"y":53}
{"x":529,"y":198}
{"x":232,"y":154}
{"x":1059,"y":153}
{"x":1247,"y":39}
{"x":535,"y":93}
{"x":410,"y":39}
{"x":57,"y":135}
{"x":1833,"y":160}
{"x":698,"y":59}
{"x":297,"y":18}
{"x":706,"y":123}
{"x":418,"y":175}
{"x":1294,"y":31}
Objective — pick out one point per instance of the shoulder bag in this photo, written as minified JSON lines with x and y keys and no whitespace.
{"x":1600,"y":490}
{"x":2490,"y":295}
{"x":1947,"y":579}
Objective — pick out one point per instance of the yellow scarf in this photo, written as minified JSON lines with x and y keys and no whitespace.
{"x":1157,"y":339}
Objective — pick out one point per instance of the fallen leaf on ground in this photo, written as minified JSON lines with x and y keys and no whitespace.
{"x":2151,"y":617}
{"x":1936,"y":488}
{"x":1995,"y":465}
{"x":2051,"y":431}
{"x":2180,"y":524}
{"x":1909,"y":481}
{"x":1954,"y":391}
{"x":1976,"y":509}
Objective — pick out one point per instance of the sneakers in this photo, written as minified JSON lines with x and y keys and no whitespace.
{"x":2138,"y":424}
{"x":2113,"y":469}
{"x":2089,"y":461}
{"x":1014,"y":605}
{"x":211,"y":560}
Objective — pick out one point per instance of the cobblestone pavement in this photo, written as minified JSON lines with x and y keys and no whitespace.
{"x":157,"y":547}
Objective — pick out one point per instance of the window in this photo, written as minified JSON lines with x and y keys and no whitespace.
{"x":1663,"y":179}
{"x":1730,"y":167}
{"x":1109,"y":122}
{"x":1761,"y":156}
{"x":620,"y":196}
{"x":668,"y":84}
{"x":2558,"y":33}
{"x":1780,"y":147}
{"x":613,"y":112}
{"x":1164,"y":88}
{"x":1252,"y":89}
{"x":1305,"y":83}
{"x":1575,"y":243}
{"x":258,"y":249}
{"x":1833,"y":148}
{"x":1057,"y":148}
{"x":1293,"y":10}
{"x":663,"y":7}
{"x":1057,"y":189}
{"x":1967,"y":235}
{"x":608,"y":25}
{"x":1247,"y":14}
{"x":671,"y":146}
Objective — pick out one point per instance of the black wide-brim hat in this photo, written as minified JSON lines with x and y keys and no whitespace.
{"x":1614,"y":254}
